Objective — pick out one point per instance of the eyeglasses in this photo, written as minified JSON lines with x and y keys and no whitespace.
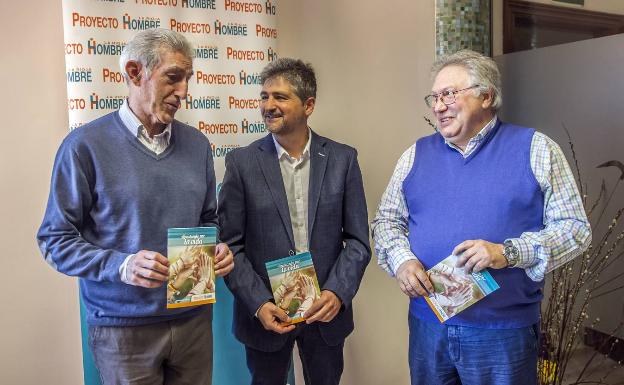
{"x":447,"y":97}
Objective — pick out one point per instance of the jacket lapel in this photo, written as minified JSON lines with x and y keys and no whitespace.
{"x":269,"y":164}
{"x":318,"y":163}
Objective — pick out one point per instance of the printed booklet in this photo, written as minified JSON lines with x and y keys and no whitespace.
{"x":454,"y":290}
{"x":294,"y":284}
{"x":191,"y":254}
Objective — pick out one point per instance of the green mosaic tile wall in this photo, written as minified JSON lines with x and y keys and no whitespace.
{"x":463,"y":24}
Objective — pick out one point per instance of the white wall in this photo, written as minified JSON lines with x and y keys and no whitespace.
{"x":372,"y":60}
{"x":534,"y":81}
{"x":39,"y":325}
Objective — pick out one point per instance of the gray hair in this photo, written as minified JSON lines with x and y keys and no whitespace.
{"x":145,"y":48}
{"x":481,"y":69}
{"x":299,"y":74}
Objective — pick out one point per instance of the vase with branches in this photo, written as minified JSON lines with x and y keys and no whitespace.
{"x":566,"y":311}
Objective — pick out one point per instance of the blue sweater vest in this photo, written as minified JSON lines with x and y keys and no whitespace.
{"x":491,"y":195}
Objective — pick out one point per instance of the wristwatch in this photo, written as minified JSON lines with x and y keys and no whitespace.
{"x":511,"y":253}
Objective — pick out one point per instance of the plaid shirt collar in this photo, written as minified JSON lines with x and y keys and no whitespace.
{"x":474,"y":142}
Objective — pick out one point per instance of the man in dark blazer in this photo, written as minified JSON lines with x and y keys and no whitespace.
{"x":290,"y":192}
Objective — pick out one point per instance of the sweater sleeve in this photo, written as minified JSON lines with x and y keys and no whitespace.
{"x":60,"y":235}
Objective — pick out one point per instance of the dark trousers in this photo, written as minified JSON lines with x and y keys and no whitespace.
{"x":177,"y":352}
{"x":322,"y":363}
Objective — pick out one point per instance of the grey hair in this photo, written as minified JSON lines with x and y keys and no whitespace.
{"x":299,"y":74}
{"x":145,"y":48}
{"x":481,"y":69}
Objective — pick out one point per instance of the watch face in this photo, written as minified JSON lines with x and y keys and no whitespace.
{"x":511,"y":253}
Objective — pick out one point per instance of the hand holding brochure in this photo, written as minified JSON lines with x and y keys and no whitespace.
{"x":454,"y":290}
{"x":191,"y":254}
{"x":294,"y":284}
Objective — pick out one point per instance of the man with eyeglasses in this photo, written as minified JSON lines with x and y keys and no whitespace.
{"x":500,"y":197}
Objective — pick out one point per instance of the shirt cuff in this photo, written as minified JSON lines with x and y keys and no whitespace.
{"x":123,"y":270}
{"x":527,"y":256}
{"x":259,"y":307}
{"x":398,"y":258}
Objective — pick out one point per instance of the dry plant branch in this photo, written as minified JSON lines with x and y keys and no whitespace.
{"x":579,"y":282}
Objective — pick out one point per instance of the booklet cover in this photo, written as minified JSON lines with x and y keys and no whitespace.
{"x":454,"y":290}
{"x":191,"y":254}
{"x":294,"y":284}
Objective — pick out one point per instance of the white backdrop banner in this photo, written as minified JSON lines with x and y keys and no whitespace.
{"x":233,"y":41}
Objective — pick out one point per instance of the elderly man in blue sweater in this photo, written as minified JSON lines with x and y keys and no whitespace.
{"x":499,"y":196}
{"x":118,"y":183}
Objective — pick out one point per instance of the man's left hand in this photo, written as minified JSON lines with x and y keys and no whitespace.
{"x":323,"y":309}
{"x":476,"y":255}
{"x":224,"y":260}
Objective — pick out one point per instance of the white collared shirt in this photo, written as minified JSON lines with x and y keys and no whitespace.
{"x":157,"y":144}
{"x":296,"y":177}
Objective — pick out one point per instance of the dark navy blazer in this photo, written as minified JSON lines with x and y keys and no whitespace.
{"x":255,"y":223}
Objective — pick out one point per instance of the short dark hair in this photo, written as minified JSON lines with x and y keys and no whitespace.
{"x":299,"y":74}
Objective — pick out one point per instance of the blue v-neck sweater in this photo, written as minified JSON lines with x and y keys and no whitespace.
{"x":110,"y":197}
{"x":492,"y":195}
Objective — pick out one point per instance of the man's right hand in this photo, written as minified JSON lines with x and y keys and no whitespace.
{"x":147,"y":269}
{"x":413,"y":280}
{"x":273,"y":318}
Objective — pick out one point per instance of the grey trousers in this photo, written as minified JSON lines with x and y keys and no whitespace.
{"x":177,"y":352}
